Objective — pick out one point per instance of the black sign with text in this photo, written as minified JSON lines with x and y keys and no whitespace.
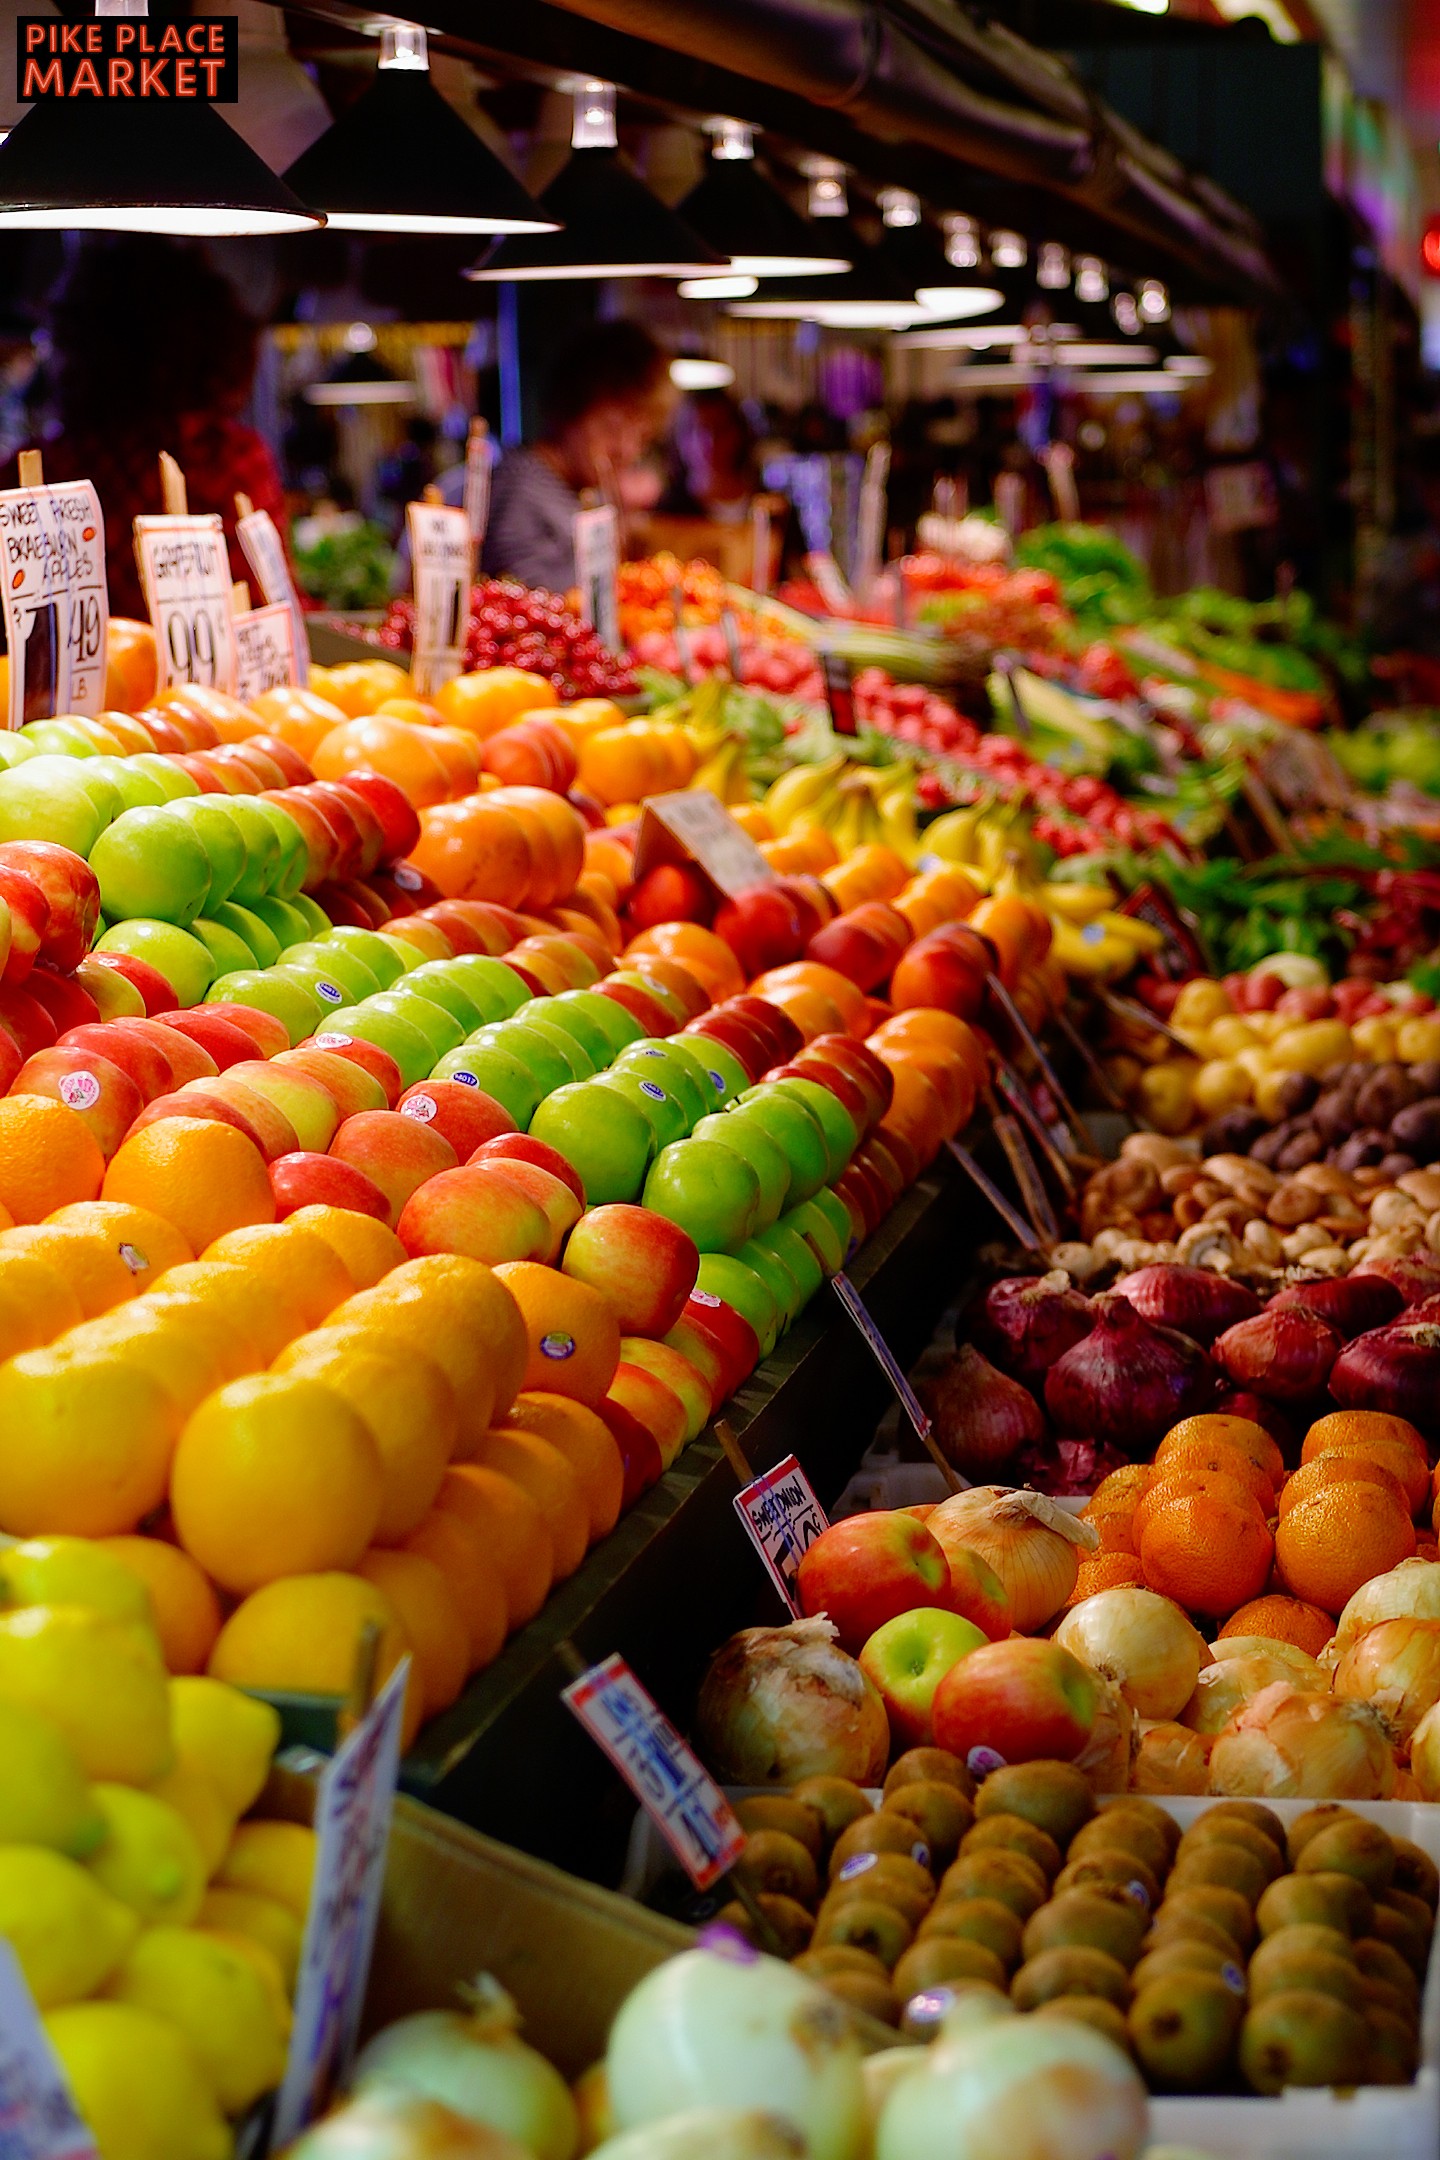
{"x":194,"y":59}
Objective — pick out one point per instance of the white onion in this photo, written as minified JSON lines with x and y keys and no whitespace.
{"x":719,"y":2133}
{"x":1231,"y":1682}
{"x":1425,"y":1755}
{"x":1299,"y":1661}
{"x":1142,"y":1642}
{"x":477,"y":2064}
{"x":1298,"y":1744}
{"x":732,"y":2031}
{"x":1022,"y":2089}
{"x":403,"y":2126}
{"x":1108,"y":1753}
{"x":1395,"y":1667}
{"x":1410,"y":1591}
{"x":1033,"y":1545}
{"x":779,"y":1704}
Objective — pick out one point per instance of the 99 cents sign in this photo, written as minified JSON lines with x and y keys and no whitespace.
{"x":185,"y":570}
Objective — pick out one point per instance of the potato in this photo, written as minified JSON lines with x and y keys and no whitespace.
{"x":1376,"y":1036}
{"x":1313,"y":1045}
{"x":1389,"y":1090}
{"x":1200,"y":1002}
{"x":1415,"y":1131}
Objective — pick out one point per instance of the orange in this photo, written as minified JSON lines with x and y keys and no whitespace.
{"x":1282,"y":1619}
{"x":871,"y":872}
{"x":186,"y":1359}
{"x":573,"y":1335}
{"x":751,"y":818}
{"x":187,"y":1611}
{"x":1168,"y":1486}
{"x":359,"y":686}
{"x":1361,"y":1425}
{"x":584,"y":1439}
{"x":917,"y":1112}
{"x":298,"y":717}
{"x":1325,"y":1470}
{"x":1018,"y":928}
{"x":416,"y":710}
{"x":709,"y":959}
{"x":33,"y":1311}
{"x":1405,"y":1460}
{"x":805,"y":852}
{"x":405,"y":1403}
{"x":90,"y":1264}
{"x":1337,"y":1538}
{"x":488,"y":699}
{"x":144,"y":1240}
{"x":623,"y":764}
{"x":431,"y":1615}
{"x":474,"y":1578}
{"x":131,"y":665}
{"x":459,"y":756}
{"x":48,"y":1157}
{"x":513,"y":1533}
{"x":1208,"y":1460}
{"x":1207,"y":1553}
{"x":274,"y":1475}
{"x":542,"y":1471}
{"x":814,"y":975}
{"x":87,"y":1443}
{"x":1114,"y":1526}
{"x":241,"y":1302}
{"x":811,"y":1010}
{"x":937,"y":896}
{"x":942,"y":1031}
{"x":368,"y":1249}
{"x":301,"y":1270}
{"x":1105,"y":1571}
{"x":384,"y":745}
{"x":202,"y":1176}
{"x":1122,"y":1487}
{"x":1215,"y":1429}
{"x":304,"y":1635}
{"x":474,"y":850}
{"x":942,"y":1068}
{"x":458,"y":1312}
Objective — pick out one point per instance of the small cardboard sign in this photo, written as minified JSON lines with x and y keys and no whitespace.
{"x":38,"y":2116}
{"x":443,"y":555}
{"x":880,"y":1350}
{"x":265,"y":651}
{"x":352,"y":1823}
{"x":265,"y":553}
{"x":185,"y":570}
{"x":783,"y":1518}
{"x":681,"y":1799}
{"x":56,"y":601}
{"x":693,"y":826}
{"x":597,"y":571}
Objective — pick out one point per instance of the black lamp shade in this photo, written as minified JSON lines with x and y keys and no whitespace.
{"x":871,"y":294}
{"x":917,"y":255}
{"x":400,"y":161}
{"x":176,"y":167}
{"x":737,"y":210}
{"x":614,"y":227}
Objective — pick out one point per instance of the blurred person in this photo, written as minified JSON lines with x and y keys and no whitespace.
{"x":716,"y":451}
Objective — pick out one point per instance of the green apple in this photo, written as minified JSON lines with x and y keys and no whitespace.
{"x":281,"y":918}
{"x":550,"y":1066}
{"x":262,"y":847}
{"x":495,"y":1072}
{"x":220,"y":837}
{"x":46,"y":799}
{"x":722,"y":1276}
{"x":577,"y":1024}
{"x":293,"y":866}
{"x":812,"y":1223}
{"x":602,"y":1135}
{"x":493,"y":986}
{"x":261,"y":939}
{"x":665,"y":1112}
{"x":389,"y":1031}
{"x":102,"y":791}
{"x":60,"y":736}
{"x":796,"y":1129}
{"x":745,"y":1136}
{"x":721,"y":1076}
{"x":569,"y":1045}
{"x":151,"y":862}
{"x":326,"y":988}
{"x":15,"y":750}
{"x":268,"y":990}
{"x":709,"y":1190}
{"x":377,"y":953}
{"x":436,"y":981}
{"x":174,"y":782}
{"x":837,"y":1214}
{"x":317,"y":922}
{"x":409,"y":956}
{"x":652,"y":1060}
{"x":795,"y":1256}
{"x":618,"y":1026}
{"x":439,"y":1028}
{"x":137,"y":790}
{"x":835,"y":1121}
{"x":225,"y":946}
{"x":783,"y":1286}
{"x":354,"y":978}
{"x":180,"y":958}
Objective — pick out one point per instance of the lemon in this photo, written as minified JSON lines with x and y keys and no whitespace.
{"x":73,"y":1571}
{"x":44,"y":1799}
{"x":277,"y":1859}
{"x":196,"y":1800}
{"x":67,"y":1932}
{"x":229,"y":1736}
{"x":137,"y":2083}
{"x":264,"y":1919}
{"x":99,"y":1679}
{"x":218,"y":2000}
{"x":149,"y":1859}
{"x":263,"y":1963}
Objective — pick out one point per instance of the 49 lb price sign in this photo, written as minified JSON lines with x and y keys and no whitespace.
{"x":56,"y":602}
{"x":185,"y":569}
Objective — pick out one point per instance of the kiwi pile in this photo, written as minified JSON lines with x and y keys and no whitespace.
{"x":1239,"y":1956}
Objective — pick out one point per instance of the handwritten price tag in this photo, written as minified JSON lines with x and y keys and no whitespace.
{"x":264,"y":651}
{"x":597,"y":569}
{"x":38,"y":2117}
{"x":265,"y":553}
{"x":444,"y":558}
{"x":185,"y":569}
{"x":56,"y":601}
{"x":692,"y":825}
{"x":681,"y":1799}
{"x":783,"y":1518}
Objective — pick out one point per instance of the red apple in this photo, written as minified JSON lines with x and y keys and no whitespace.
{"x":151,"y":984}
{"x":27,"y":1020}
{"x":476,"y":1211}
{"x":1024,"y":1699}
{"x":894,"y":1147}
{"x":360,"y":828}
{"x":105,"y":1097}
{"x":123,"y":1043}
{"x":322,"y":844}
{"x":775,"y":1026}
{"x":10,"y":1060}
{"x":676,"y":1372}
{"x":29,"y":917}
{"x":229,"y":778}
{"x":638,"y":1001}
{"x":944,"y":971}
{"x":72,"y":890}
{"x":466,"y":1117}
{"x":295,"y":768}
{"x":206,"y":777}
{"x":64,"y":997}
{"x":520,"y":1147}
{"x":668,"y":893}
{"x":404,"y":889}
{"x":639,"y":1449}
{"x":908,"y":1660}
{"x":296,"y":1094}
{"x":738,"y":1342}
{"x":220,"y":1038}
{"x":655,"y":1405}
{"x":269,"y":1035}
{"x":399,"y":822}
{"x":863,"y":944}
{"x":642,"y":1265}
{"x":703,"y":1351}
{"x":736,"y":1035}
{"x":826,"y":1074}
{"x":116,"y":997}
{"x":552,"y":1195}
{"x":462,"y":934}
{"x":867,"y":1569}
{"x":356,"y":1051}
{"x":762,"y":926}
{"x":427,"y":937}
{"x":861,"y":1063}
{"x":977,"y":1593}
{"x":343,"y":908}
{"x":266,"y":771}
{"x":189,"y":1060}
{"x":272,"y":1131}
{"x":864,"y":1196}
{"x":305,"y":1179}
{"x":671,"y":976}
{"x":501,"y":927}
{"x":348,"y":1085}
{"x":880,"y":1164}
{"x":195,"y":1102}
{"x":397,"y":1153}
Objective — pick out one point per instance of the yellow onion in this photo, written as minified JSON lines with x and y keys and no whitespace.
{"x":1231,"y":1682}
{"x":1290,"y":1655}
{"x":1425,"y":1754}
{"x":475,"y":2062}
{"x":403,"y":2126}
{"x":1410,"y":1591}
{"x":1169,"y":1758}
{"x":1044,"y":2088}
{"x":1142,"y":1642}
{"x":781,"y":1704}
{"x":1294,"y":1743}
{"x":1033,"y":1545}
{"x":1395,"y":1667}
{"x":710,"y":2133}
{"x":1106,"y":1755}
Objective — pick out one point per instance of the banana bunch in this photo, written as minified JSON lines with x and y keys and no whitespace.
{"x":989,"y":837}
{"x":721,"y":769}
{"x":858,"y":805}
{"x":1105,"y":946}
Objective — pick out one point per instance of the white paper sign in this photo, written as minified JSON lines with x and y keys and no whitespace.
{"x":784,"y":1518}
{"x":185,"y":570}
{"x":597,"y":569}
{"x":352,"y":1823}
{"x":264,"y":651}
{"x":265,"y":553}
{"x":477,"y":483}
{"x":56,"y":601}
{"x":38,"y":2117}
{"x":444,"y":559}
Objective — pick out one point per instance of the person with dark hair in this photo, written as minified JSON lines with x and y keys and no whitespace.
{"x":153,"y":352}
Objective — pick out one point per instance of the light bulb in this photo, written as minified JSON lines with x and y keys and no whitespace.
{"x":1008,"y":250}
{"x":403,"y":48}
{"x":899,"y":208}
{"x":1092,"y":281}
{"x":1153,"y":301}
{"x":732,"y":140}
{"x":1052,"y":268}
{"x":828,"y":196}
{"x":962,"y":243}
{"x":1126,"y":314}
{"x":593,"y":127}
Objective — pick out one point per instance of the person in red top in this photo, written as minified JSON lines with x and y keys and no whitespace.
{"x":153,"y":352}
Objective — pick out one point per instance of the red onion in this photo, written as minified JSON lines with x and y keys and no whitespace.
{"x":981,"y":1416}
{"x":1239,"y":1402}
{"x":1129,"y":1381}
{"x":1028,"y":1321}
{"x":1415,"y":1277}
{"x":1194,"y":1299}
{"x":1285,"y":1352}
{"x":1350,"y":1303}
{"x":1396,"y":1369}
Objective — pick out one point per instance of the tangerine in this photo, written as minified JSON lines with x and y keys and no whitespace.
{"x":376,"y":743}
{"x":405,"y":1403}
{"x":302,"y":1271}
{"x":430,"y":1612}
{"x":48,"y":1157}
{"x":203,"y":1176}
{"x":460,"y":1313}
{"x":244,"y":1305}
{"x":187,"y":1611}
{"x":542,"y":1471}
{"x":709,"y":959}
{"x":459,"y":1553}
{"x":1325,"y":1470}
{"x":586,"y":1442}
{"x":572,"y":1333}
{"x":368,"y":1248}
{"x":1282,"y":1619}
{"x":1207,"y":1552}
{"x":1199,"y":1457}
{"x":474,"y":850}
{"x":1338,"y":1538}
{"x":1105,"y":1571}
{"x":145,"y":1241}
{"x":488,"y":699}
{"x":1216,"y":1429}
{"x":87,"y":1443}
{"x":91,"y":1266}
{"x":513,"y":1533}
{"x":1403,"y":1457}
{"x":1166,"y":1488}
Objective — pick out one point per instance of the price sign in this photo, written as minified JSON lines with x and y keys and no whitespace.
{"x":477,"y":482}
{"x":682,"y":1800}
{"x":38,"y":2117}
{"x":693,"y":826}
{"x":265,"y":553}
{"x":264,"y":651}
{"x":56,"y":602}
{"x":352,"y":1823}
{"x":444,"y":559}
{"x":839,"y":692}
{"x":597,"y":568}
{"x":783,"y":1518}
{"x":185,"y":570}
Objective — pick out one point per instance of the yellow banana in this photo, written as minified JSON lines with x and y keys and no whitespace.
{"x":1092,"y":951}
{"x":1142,"y":935}
{"x":796,"y":791}
{"x":1077,"y":903}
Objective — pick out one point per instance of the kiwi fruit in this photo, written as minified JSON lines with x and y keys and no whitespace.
{"x":1416,"y":1872}
{"x":1394,"y":2048}
{"x":1055,"y":1796}
{"x":939,"y":1813}
{"x":1012,"y":1833}
{"x":1134,"y":1806}
{"x":790,"y":1925}
{"x":941,"y":1959}
{"x":1123,"y":1829}
{"x":981,"y":1920}
{"x":1306,"y":1939}
{"x":1182,"y":2031}
{"x":878,"y":1833}
{"x":1303,"y":2038}
{"x":930,"y":1766}
{"x":1382,"y":1996}
{"x":891,"y":1877}
{"x":835,"y":1801}
{"x":1008,"y":1877}
{"x":772,"y":1811}
{"x":1089,"y":2010}
{"x":1413,"y":1908}
{"x":1398,"y":1921}
{"x":1354,"y":1847}
{"x":1254,"y":1812}
{"x":867,"y":1924}
{"x":1219,"y":1866}
{"x":1310,"y":1824}
{"x":862,"y":1991}
{"x":1184,"y":1955}
{"x":1336,"y":1901}
{"x":779,"y":1864}
{"x":840,"y":1957}
{"x":1378,"y":1961}
{"x":1072,"y":1970}
{"x":1191,"y":1928}
{"x":1302,"y":1970}
{"x":1088,"y":1920}
{"x":1210,"y":1901}
{"x":1111,"y":1869}
{"x":1230,"y":1830}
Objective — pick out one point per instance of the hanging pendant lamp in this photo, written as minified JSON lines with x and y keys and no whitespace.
{"x":921,"y":258}
{"x":737,"y":210}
